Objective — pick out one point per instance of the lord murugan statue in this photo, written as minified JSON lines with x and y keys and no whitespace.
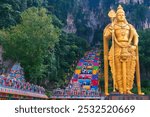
{"x":123,"y":55}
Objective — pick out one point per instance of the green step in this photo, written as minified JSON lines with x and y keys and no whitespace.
{"x":79,"y":67}
{"x":95,"y":68}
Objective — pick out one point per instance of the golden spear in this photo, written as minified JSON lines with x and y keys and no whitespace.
{"x":112,"y":16}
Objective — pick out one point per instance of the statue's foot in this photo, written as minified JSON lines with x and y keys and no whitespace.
{"x":106,"y":94}
{"x":114,"y":90}
{"x":121,"y":92}
{"x":141,"y":93}
{"x":129,"y":92}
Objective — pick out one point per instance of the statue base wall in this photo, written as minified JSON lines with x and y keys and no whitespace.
{"x":116,"y":96}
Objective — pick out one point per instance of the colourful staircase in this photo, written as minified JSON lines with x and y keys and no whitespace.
{"x":87,"y":70}
{"x":84,"y":83}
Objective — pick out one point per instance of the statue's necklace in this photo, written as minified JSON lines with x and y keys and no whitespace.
{"x":122,"y":26}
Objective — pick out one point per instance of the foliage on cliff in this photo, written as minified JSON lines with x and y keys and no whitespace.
{"x":45,"y":52}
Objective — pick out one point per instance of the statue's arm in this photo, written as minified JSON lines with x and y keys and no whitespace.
{"x":106,"y":36}
{"x":135,"y":39}
{"x":107,"y":32}
{"x":135,"y":36}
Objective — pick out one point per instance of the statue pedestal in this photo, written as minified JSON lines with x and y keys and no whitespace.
{"x":116,"y":96}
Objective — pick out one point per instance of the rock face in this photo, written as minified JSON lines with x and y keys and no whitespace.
{"x":138,"y":1}
{"x":92,"y":16}
{"x":146,"y":24}
{"x":1,"y":52}
{"x":124,"y":1}
{"x":70,"y":27}
{"x":131,"y":1}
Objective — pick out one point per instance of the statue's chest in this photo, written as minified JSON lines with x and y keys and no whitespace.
{"x":122,"y":33}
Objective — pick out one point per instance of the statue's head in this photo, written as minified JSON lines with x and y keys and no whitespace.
{"x":120,"y":14}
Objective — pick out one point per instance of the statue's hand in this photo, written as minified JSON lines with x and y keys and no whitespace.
{"x":110,"y":29}
{"x":133,"y":47}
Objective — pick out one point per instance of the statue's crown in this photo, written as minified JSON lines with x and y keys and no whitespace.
{"x":120,"y":9}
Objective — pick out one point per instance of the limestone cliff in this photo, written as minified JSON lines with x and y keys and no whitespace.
{"x":92,"y":15}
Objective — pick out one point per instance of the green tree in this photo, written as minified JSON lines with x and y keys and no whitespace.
{"x":10,"y":10}
{"x":47,"y":54}
{"x":32,"y":42}
{"x":67,"y":52}
{"x":144,"y":48}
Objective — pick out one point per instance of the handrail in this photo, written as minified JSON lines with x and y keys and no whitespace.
{"x":8,"y":90}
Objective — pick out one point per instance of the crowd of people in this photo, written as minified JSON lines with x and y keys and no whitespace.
{"x":15,"y":80}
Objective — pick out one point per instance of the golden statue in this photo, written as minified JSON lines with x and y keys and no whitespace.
{"x":123,"y":55}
